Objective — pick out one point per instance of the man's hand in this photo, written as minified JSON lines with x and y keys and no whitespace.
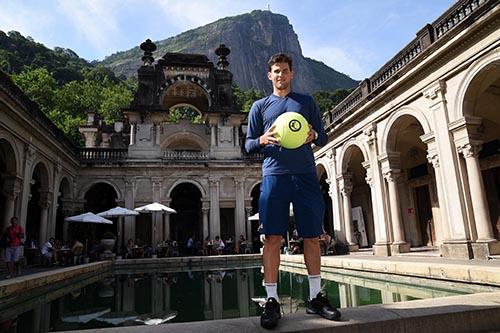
{"x":311,"y":135}
{"x":268,"y":137}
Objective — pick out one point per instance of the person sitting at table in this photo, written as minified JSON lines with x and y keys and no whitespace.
{"x":77,"y":250}
{"x":48,"y":252}
{"x":240,"y":246}
{"x":190,"y":245}
{"x":129,"y":254}
{"x":324,"y":242}
{"x":295,"y":245}
{"x":207,"y":246}
{"x":219,"y":245}
{"x":138,"y":249}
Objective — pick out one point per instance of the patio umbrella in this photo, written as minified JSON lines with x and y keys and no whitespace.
{"x":84,"y":316}
{"x":119,"y":212}
{"x":154,"y":208}
{"x":88,"y":218}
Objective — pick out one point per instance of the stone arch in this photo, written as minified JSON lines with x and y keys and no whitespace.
{"x":389,"y":136}
{"x":464,"y":105}
{"x":347,"y":151}
{"x":8,"y":146}
{"x":44,"y":173}
{"x":65,"y":187}
{"x":187,"y":199}
{"x":200,"y":187}
{"x":187,"y":79}
{"x":322,"y":165}
{"x":88,"y":186}
{"x":185,"y":140}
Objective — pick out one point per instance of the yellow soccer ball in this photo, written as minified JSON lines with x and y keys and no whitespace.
{"x":291,"y":130}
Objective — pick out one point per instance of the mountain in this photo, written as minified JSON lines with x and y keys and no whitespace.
{"x":252,"y":38}
{"x":18,"y":52}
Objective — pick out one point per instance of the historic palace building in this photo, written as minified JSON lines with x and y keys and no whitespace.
{"x":415,"y":147}
{"x":413,"y":158}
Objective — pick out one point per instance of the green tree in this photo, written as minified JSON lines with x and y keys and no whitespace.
{"x":39,"y":86}
{"x":245,"y":98}
{"x":184,"y":112}
{"x":114,"y":98}
{"x":327,"y":100}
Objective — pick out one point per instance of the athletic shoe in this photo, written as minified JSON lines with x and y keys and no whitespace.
{"x":321,"y":306}
{"x":271,"y":315}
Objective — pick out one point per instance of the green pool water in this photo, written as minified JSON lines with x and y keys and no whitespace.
{"x":168,"y":297}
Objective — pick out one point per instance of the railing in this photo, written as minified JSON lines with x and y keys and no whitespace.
{"x":400,"y":63}
{"x":455,"y":15}
{"x":185,"y":155}
{"x":253,"y":157}
{"x":102,"y":155}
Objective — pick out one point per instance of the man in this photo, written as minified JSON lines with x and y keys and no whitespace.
{"x":48,"y":251}
{"x":289,"y":175}
{"x":13,"y":250}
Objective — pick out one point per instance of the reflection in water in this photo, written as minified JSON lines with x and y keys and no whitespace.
{"x":161,"y":298}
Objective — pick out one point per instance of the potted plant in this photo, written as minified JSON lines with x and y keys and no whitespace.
{"x":108,"y":242}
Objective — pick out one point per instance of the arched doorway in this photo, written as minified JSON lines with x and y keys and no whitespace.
{"x":38,"y":204}
{"x":63,"y":202}
{"x":481,"y":101}
{"x":98,"y":198}
{"x":361,"y":201}
{"x":186,"y":200}
{"x":414,"y":177}
{"x":325,"y":191}
{"x":7,"y":176}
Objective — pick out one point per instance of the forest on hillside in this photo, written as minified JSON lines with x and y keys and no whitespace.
{"x":65,"y":87}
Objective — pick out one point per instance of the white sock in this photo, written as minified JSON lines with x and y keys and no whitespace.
{"x":314,"y":285}
{"x":272,"y":290}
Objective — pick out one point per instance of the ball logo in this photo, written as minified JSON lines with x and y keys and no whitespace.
{"x":294,"y":125}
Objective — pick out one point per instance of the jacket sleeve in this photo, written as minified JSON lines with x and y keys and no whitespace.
{"x":254,"y":130}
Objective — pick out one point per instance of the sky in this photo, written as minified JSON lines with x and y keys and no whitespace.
{"x":355,"y":37}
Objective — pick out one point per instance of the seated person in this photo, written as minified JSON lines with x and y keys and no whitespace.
{"x":129,"y":254}
{"x":207,"y":250}
{"x":48,"y":251}
{"x":219,"y":245}
{"x":77,"y":250}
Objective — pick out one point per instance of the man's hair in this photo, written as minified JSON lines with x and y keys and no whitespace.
{"x":13,"y":218}
{"x":279,"y":58}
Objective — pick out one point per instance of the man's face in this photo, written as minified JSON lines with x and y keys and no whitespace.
{"x":280,"y":75}
{"x":13,"y":222}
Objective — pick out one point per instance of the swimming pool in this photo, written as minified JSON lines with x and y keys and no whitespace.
{"x":121,"y":298}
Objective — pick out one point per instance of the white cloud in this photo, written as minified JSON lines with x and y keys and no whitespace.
{"x":194,"y":13}
{"x":95,"y":21}
{"x":16,"y":16}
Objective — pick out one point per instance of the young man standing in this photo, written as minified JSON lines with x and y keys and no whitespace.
{"x":288,"y":175}
{"x":13,"y":250}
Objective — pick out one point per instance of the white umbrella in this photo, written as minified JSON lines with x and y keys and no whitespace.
{"x":254,"y":217}
{"x":154,"y":208}
{"x":84,"y":316}
{"x":119,"y":212}
{"x":88,"y":218}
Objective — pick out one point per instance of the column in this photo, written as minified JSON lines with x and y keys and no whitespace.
{"x":129,"y":221}
{"x":205,"y":211}
{"x":333,"y":191}
{"x":444,"y":230}
{"x":12,"y":187}
{"x":248,"y":226}
{"x":240,"y":208}
{"x":214,"y":207}
{"x":213,"y":130}
{"x":156,"y":217}
{"x":236,"y":136}
{"x":44,"y":215}
{"x":166,"y":227}
{"x":395,"y":207}
{"x":455,"y":203}
{"x":375,"y":180}
{"x":157,"y":132}
{"x":242,"y":292}
{"x":29,"y":156}
{"x":346,"y":190}
{"x":477,"y":192}
{"x":133,"y":126}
